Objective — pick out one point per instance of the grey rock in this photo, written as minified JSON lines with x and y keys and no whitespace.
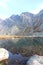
{"x":35,"y":60}
{"x":5,"y":54}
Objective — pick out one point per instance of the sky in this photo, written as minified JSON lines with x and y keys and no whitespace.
{"x":10,"y":7}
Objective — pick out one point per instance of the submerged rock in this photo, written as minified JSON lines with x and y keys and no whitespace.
{"x":35,"y":60}
{"x":16,"y":59}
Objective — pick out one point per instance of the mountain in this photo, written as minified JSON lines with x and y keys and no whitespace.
{"x":24,"y":24}
{"x":38,"y":22}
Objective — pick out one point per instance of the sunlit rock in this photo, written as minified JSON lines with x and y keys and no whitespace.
{"x":35,"y":60}
{"x":4,"y":54}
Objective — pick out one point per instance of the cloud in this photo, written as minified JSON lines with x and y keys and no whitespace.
{"x":35,"y":11}
{"x":4,"y":4}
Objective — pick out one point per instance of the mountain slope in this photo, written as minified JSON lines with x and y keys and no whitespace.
{"x":24,"y":24}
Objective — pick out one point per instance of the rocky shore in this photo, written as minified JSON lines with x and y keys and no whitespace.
{"x":7,"y":58}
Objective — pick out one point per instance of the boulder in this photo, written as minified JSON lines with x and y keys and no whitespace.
{"x":5,"y":54}
{"x":35,"y":60}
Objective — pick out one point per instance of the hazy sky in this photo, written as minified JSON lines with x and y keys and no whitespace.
{"x":9,"y":7}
